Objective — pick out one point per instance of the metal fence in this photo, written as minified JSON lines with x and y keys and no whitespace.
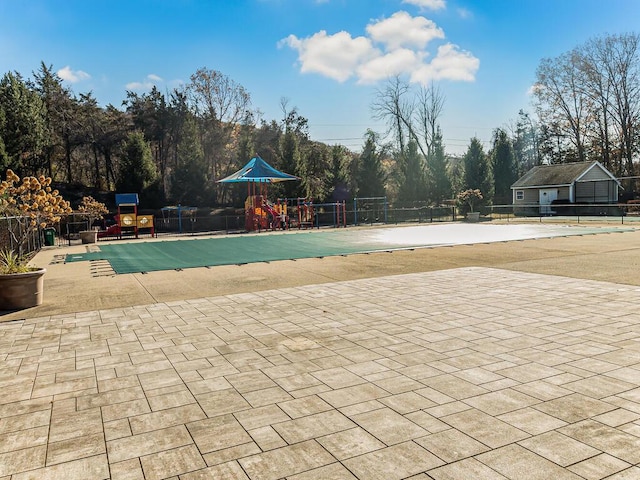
{"x":203,"y":222}
{"x":565,"y":212}
{"x":15,"y":235}
{"x":12,"y":228}
{"x":325,"y":216}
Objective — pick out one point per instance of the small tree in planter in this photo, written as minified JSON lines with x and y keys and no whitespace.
{"x":35,"y":205}
{"x":468,"y":199}
{"x":92,"y":210}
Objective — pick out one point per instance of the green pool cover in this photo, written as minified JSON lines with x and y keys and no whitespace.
{"x":148,"y":256}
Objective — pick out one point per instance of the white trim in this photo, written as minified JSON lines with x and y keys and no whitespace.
{"x":587,"y":170}
{"x":553,"y":185}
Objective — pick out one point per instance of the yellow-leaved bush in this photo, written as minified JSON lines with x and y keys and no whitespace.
{"x":35,"y":204}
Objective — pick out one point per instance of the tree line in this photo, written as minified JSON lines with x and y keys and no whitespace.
{"x":171,"y":147}
{"x":587,"y":107}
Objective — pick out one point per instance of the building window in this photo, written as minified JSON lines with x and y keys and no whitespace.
{"x":519,"y":194}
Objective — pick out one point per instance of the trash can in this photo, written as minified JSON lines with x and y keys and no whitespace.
{"x":49,"y":237}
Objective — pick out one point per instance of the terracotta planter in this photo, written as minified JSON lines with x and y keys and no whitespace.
{"x":89,"y":236}
{"x":473,"y":216}
{"x":21,"y":290}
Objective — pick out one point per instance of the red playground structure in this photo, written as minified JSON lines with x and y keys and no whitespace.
{"x":260,"y":214}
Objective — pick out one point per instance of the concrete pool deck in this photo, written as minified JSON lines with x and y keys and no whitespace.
{"x":513,"y":360}
{"x":80,"y":286}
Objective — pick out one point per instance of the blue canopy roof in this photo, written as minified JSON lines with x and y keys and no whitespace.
{"x":257,"y":170}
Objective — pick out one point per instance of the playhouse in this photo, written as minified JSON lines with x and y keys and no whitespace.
{"x":128,"y":220}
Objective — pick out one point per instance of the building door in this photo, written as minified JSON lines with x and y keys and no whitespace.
{"x":547,"y":196}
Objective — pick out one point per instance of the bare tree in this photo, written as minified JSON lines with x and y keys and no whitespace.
{"x":410,"y":116}
{"x":589,"y":98}
{"x":620,"y":58}
{"x":392,"y":106}
{"x":561,"y":100}
{"x":222,"y":105}
{"x":430,"y":105}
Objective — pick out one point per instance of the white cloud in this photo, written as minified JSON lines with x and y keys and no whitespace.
{"x":72,"y":76}
{"x":403,"y":30}
{"x":150,"y":81}
{"x":335,"y":56}
{"x":427,"y":4}
{"x":450,"y":63}
{"x":394,"y":46}
{"x":397,"y":62}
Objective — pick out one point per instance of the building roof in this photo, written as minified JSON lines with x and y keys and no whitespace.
{"x":558,"y":174}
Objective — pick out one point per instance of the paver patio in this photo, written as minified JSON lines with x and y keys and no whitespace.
{"x":468,"y":373}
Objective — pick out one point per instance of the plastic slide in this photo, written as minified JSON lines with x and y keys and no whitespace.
{"x":278,"y":220}
{"x":111,"y":231}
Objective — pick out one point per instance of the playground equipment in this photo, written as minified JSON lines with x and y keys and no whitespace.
{"x":371,"y":209}
{"x":306,"y":213}
{"x":337,"y":211}
{"x":179,"y":211}
{"x":260,"y":214}
{"x":128,"y":221}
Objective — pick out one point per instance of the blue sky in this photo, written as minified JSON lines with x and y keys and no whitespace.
{"x":327,"y":57}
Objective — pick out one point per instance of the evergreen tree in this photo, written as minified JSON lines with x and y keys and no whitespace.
{"x":456,"y":174}
{"x":189,"y":185}
{"x":504,"y":167}
{"x":439,"y":181}
{"x":477,"y":172}
{"x":412,"y":185}
{"x":295,"y":128}
{"x":23,"y":127}
{"x":313,"y":169}
{"x":136,"y":171}
{"x":371,"y":176}
{"x":59,"y":115}
{"x":245,"y":151}
{"x":4,"y":158}
{"x":337,"y":178}
{"x":290,"y":162}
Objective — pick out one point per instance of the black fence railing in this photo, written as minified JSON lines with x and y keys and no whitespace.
{"x":70,"y":227}
{"x":203,"y":221}
{"x":15,"y":235}
{"x":565,"y":212}
{"x":323,"y":217}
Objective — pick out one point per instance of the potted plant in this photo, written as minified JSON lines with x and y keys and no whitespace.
{"x":469,"y":199}
{"x":32,"y":204}
{"x":91,"y":210}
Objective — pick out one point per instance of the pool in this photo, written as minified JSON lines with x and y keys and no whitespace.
{"x":156,"y":255}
